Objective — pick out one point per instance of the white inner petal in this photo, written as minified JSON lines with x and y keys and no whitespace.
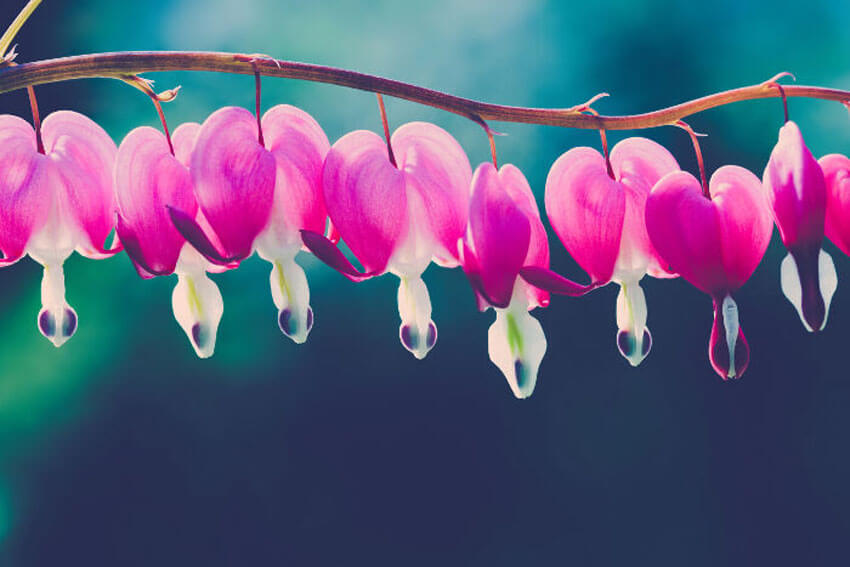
{"x":291,"y":295}
{"x":517,"y":344}
{"x":729,"y":309}
{"x":633,"y":339}
{"x":828,"y":279}
{"x":198,"y":308}
{"x":417,"y":332}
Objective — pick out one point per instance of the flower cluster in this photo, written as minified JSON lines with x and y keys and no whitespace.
{"x":212,"y":194}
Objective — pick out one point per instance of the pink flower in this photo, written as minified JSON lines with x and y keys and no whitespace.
{"x":397,"y":219}
{"x":600,"y":221}
{"x":260,"y":197}
{"x":796,"y":192}
{"x":148,"y":180}
{"x":836,"y":171}
{"x":715,"y":244}
{"x":54,"y":203}
{"x":504,"y":235}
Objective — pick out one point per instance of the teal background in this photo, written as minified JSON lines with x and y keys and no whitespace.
{"x":122,"y":448}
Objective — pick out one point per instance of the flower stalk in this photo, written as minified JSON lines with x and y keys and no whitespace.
{"x":121,"y":64}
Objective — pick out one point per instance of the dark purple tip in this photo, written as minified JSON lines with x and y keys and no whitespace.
{"x":69,"y":325}
{"x":47,"y":323}
{"x":195,"y":235}
{"x":200,"y":335}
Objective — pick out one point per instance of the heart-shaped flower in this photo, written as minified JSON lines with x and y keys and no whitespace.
{"x":715,"y":244}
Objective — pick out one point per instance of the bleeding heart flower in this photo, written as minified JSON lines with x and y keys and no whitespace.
{"x":796,"y":192}
{"x":54,"y":203}
{"x":148,"y":180}
{"x":504,"y":235}
{"x":256,"y":196}
{"x":715,"y":244}
{"x":836,"y":171}
{"x":397,"y":219}
{"x":599,"y":218}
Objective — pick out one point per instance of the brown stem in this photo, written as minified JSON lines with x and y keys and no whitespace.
{"x":492,"y":147}
{"x":604,"y":138}
{"x":257,"y":82}
{"x":115,"y":65}
{"x":386,"y":124}
{"x":684,"y":126}
{"x":36,"y":120}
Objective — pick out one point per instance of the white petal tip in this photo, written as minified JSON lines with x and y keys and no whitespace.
{"x":632,"y":349}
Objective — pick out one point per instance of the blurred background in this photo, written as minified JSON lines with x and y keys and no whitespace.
{"x":122,"y":448}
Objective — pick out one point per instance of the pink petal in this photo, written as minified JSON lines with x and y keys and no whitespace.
{"x":183,"y":139}
{"x":325,"y":250}
{"x":84,"y":156}
{"x":638,"y":164}
{"x":498,"y":237}
{"x":548,"y":280}
{"x":147,"y":179}
{"x":365,"y":197}
{"x":836,"y":170}
{"x":796,"y":190}
{"x":744,"y":220}
{"x":586,"y":208}
{"x":519,"y":190}
{"x":714,"y":244}
{"x":299,"y":146}
{"x":437,"y":168}
{"x":683,"y":227}
{"x":25,"y":187}
{"x":234,"y":179}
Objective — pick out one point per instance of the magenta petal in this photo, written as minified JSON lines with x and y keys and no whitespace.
{"x":437,"y":168}
{"x":586,"y":208}
{"x":365,"y":197}
{"x":796,"y":190}
{"x":499,"y":233}
{"x":548,"y":280}
{"x":84,"y":156}
{"x":147,"y":178}
{"x":326,"y":251}
{"x":189,"y":228}
{"x":25,"y":187}
{"x":299,"y":146}
{"x":183,"y":139}
{"x":836,"y":171}
{"x":234,"y":179}
{"x":683,"y":227}
{"x":744,"y":220}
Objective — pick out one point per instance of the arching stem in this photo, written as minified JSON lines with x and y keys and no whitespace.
{"x":257,"y":85}
{"x":604,"y":140}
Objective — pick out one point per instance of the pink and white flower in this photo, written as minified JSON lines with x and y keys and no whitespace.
{"x":55,"y":202}
{"x":397,"y":219}
{"x":598,"y":213}
{"x":504,"y":235}
{"x":715,"y":244}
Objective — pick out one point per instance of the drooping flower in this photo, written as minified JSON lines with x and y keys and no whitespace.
{"x":599,"y":217}
{"x":836,"y":171}
{"x":55,"y":202}
{"x":715,"y":244}
{"x":400,"y":218}
{"x":148,"y":179}
{"x":259,"y":196}
{"x":796,"y":192}
{"x":504,"y":235}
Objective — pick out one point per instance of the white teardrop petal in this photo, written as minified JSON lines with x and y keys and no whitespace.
{"x":828,"y":279}
{"x":517,"y":344}
{"x":417,"y":332}
{"x":291,"y":295}
{"x":633,"y":338}
{"x":198,"y":308}
{"x":789,"y":280}
{"x":731,"y":325}
{"x":57,"y":321}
